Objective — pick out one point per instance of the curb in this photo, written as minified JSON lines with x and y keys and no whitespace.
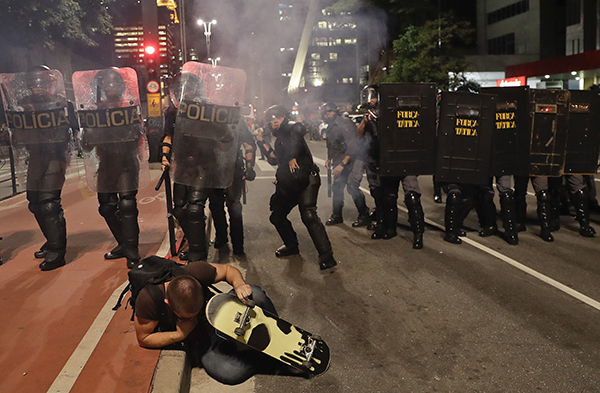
{"x":172,"y":373}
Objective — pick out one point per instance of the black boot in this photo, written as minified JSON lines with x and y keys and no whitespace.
{"x":487,"y":215}
{"x":437,"y":192}
{"x":56,"y":232}
{"x":390,"y":219}
{"x":520,"y":211}
{"x":544,"y":208}
{"x":555,"y":210}
{"x":451,"y":217}
{"x":362,"y":220}
{"x":582,"y":213}
{"x":416,"y":218}
{"x":507,"y":209}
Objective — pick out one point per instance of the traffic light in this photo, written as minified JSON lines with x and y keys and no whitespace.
{"x":152,"y":61}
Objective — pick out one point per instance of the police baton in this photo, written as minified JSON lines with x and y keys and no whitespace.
{"x":165,"y":178}
{"x":244,"y":191}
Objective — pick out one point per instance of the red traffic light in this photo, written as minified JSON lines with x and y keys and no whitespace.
{"x":150,"y":49}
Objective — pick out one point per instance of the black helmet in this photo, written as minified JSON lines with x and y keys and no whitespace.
{"x":367,"y":95}
{"x":328,"y":107}
{"x":110,"y":83}
{"x":276,"y":111}
{"x":40,"y":76}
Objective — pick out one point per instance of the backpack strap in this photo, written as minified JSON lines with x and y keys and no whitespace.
{"x":159,"y":301}
{"x":121,"y":296}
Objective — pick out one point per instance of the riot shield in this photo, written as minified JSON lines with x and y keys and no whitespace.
{"x":465,"y":138}
{"x":583,"y":136}
{"x":407,"y":127}
{"x":206,"y":138}
{"x":39,"y":123}
{"x":550,"y":114}
{"x":112,"y":136}
{"x":512,"y":131}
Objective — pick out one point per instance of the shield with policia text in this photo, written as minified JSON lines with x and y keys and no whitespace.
{"x":206,"y":138}
{"x":465,"y":138}
{"x":550,"y":114}
{"x":583,"y":136}
{"x":512,"y":131}
{"x":407,"y":127}
{"x":39,"y":121}
{"x":112,"y":134}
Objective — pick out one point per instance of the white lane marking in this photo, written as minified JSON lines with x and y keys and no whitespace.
{"x":68,"y":375}
{"x":561,"y":287}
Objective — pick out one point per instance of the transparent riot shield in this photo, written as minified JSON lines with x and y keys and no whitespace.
{"x":465,"y":138}
{"x":407,"y":128}
{"x":583,"y":136}
{"x":112,"y":134}
{"x":512,"y":131}
{"x":39,"y":122}
{"x":206,"y":138}
{"x":550,"y":114}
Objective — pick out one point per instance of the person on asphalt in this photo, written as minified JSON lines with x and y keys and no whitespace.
{"x":231,"y":196}
{"x":297,"y":183}
{"x":173,"y":313}
{"x":346,"y":164}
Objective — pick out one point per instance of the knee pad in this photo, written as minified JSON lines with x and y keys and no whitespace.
{"x":309,"y":215}
{"x":50,"y":207}
{"x":454,"y":196}
{"x":195,"y":212}
{"x":128,"y":204}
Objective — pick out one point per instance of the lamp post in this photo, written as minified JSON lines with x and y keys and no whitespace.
{"x":207,"y":33}
{"x":214,"y":61}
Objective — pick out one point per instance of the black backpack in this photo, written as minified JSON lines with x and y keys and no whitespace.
{"x":149,"y":271}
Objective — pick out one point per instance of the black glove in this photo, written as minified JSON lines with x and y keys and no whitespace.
{"x":250,"y":173}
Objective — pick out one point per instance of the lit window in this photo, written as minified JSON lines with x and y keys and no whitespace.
{"x":333,"y":56}
{"x":315,"y":56}
{"x":322,"y":25}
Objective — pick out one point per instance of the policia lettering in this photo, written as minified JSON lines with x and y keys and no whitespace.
{"x":408,"y":119}
{"x":209,"y":113}
{"x":37,"y":119}
{"x":114,"y":117}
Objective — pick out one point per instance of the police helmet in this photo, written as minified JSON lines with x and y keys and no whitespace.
{"x":41,"y":77}
{"x":328,"y":107}
{"x":275,"y":112}
{"x":110,"y":82}
{"x":369,"y":96}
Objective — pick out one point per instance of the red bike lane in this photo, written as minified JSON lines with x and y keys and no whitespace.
{"x":45,"y":315}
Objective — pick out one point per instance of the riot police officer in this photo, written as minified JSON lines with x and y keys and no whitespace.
{"x":115,"y":155}
{"x":244,"y":170}
{"x":46,"y":153}
{"x":387,"y":193}
{"x":343,"y":158}
{"x":298,"y":183}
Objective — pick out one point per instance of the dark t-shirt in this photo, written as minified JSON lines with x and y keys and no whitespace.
{"x":145,"y":307}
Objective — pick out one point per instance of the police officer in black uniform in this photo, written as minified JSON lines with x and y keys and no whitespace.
{"x":346,"y":164}
{"x":298,"y":183}
{"x":118,"y":169}
{"x":231,"y":196}
{"x":189,"y":201}
{"x":46,"y":171}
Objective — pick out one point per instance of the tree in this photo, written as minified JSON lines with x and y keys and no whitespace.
{"x":428,"y":53}
{"x":47,"y":22}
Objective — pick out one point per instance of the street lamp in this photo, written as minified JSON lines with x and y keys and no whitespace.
{"x":207,"y":33}
{"x":214,"y":61}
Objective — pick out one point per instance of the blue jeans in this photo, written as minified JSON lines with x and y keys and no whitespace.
{"x":231,"y":363}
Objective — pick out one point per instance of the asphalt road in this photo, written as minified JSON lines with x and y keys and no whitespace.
{"x":483,"y":316}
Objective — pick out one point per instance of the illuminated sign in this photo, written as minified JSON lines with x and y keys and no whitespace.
{"x":516,"y":81}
